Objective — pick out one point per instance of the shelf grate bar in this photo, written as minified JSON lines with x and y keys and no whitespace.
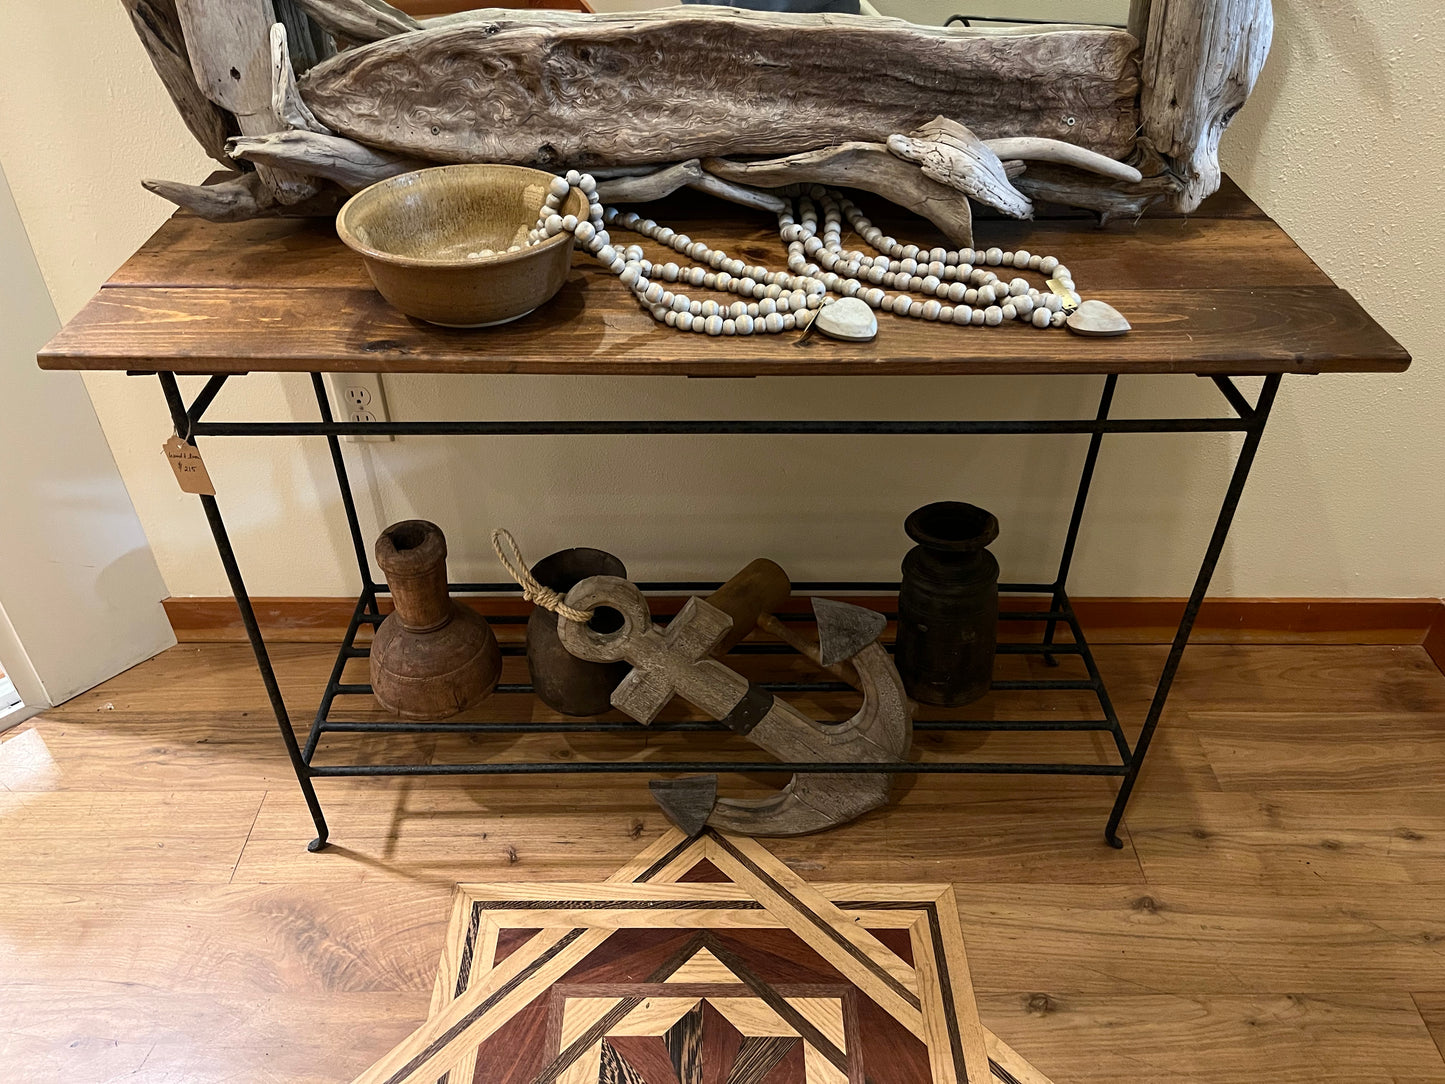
{"x":719,"y":767}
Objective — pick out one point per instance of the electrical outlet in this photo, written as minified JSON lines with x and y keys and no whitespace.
{"x":357,"y":397}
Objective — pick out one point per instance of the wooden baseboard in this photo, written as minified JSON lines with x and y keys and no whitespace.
{"x":1411,"y":621}
{"x":1434,"y":639}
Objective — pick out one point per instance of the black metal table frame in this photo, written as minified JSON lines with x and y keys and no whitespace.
{"x":1245,"y":418}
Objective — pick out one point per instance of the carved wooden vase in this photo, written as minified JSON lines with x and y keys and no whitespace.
{"x":562,"y":681}
{"x":948,"y":604}
{"x":431,"y":658}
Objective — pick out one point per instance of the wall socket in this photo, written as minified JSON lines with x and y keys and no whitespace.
{"x":358,"y":397}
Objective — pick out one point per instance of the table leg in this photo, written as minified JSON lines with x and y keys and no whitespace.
{"x":1086,"y":481}
{"x":248,"y":618}
{"x":1257,"y":419}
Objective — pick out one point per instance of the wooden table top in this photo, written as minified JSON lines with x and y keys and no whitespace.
{"x":1224,"y":291}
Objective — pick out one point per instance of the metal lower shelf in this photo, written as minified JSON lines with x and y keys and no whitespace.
{"x":368,"y":613}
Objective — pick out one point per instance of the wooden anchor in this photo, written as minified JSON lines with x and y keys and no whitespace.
{"x":676,"y":661}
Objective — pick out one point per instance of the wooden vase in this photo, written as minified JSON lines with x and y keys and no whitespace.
{"x":562,"y":681}
{"x":948,"y":605}
{"x":431,"y":658}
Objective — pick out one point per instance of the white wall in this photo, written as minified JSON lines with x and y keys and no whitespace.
{"x":1346,"y":499}
{"x":936,"y":12}
{"x":79,"y":590}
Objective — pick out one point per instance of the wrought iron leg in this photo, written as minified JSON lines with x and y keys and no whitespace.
{"x":253,"y":629}
{"x":1086,"y":480}
{"x":1258,"y":419}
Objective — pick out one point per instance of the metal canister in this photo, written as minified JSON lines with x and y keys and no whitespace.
{"x":948,"y":604}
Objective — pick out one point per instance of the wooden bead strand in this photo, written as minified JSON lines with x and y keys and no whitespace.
{"x":957,"y":287}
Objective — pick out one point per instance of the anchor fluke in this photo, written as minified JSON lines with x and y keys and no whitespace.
{"x":844,"y":629}
{"x":688,"y":802}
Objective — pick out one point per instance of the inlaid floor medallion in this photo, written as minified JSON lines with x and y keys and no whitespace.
{"x":703,"y":961}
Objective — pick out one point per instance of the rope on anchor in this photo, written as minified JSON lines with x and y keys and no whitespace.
{"x":505,"y":547}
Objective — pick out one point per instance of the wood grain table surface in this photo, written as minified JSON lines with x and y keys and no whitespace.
{"x":1224,"y":291}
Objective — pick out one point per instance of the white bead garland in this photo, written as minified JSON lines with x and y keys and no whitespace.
{"x":954,"y":286}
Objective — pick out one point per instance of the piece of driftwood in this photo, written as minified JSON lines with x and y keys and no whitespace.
{"x":286,"y":100}
{"x":866,"y":166}
{"x":159,"y":28}
{"x":229,"y":42}
{"x":348,"y":163}
{"x":678,"y":83}
{"x":1035,"y":149}
{"x":1110,"y":200}
{"x":243,"y":197}
{"x":677,"y":661}
{"x":1201,"y":61}
{"x":1138,"y":24}
{"x":612,"y":173}
{"x":310,"y":42}
{"x":629,"y":91}
{"x":949,"y":153}
{"x":644,"y":187}
{"x":359,"y":20}
{"x":739,"y":193}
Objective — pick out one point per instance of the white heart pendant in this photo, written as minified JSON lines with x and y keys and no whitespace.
{"x":848,"y":319}
{"x":1097,"y":318}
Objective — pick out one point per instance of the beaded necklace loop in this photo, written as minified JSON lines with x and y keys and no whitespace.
{"x":955,"y":285}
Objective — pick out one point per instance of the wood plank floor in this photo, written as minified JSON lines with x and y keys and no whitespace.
{"x":1279,"y":909}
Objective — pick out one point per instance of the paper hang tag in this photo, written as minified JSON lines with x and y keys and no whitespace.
{"x":190,"y":470}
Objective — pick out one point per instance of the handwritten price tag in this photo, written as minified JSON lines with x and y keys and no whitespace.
{"x":186,"y":461}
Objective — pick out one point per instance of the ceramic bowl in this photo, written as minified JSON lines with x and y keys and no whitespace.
{"x":424,"y":235}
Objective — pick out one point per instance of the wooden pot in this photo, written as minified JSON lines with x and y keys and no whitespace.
{"x":562,"y":681}
{"x":948,"y":605}
{"x":431,"y":658}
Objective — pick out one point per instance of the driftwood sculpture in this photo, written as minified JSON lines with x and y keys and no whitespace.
{"x":1186,"y":105}
{"x":681,"y":90}
{"x":677,"y":661}
{"x":685,"y":82}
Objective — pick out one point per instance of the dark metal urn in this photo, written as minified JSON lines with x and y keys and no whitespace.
{"x":432,"y":657}
{"x":562,"y":681}
{"x":948,"y":604}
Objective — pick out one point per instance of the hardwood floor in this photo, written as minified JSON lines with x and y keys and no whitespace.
{"x":1279,"y":908}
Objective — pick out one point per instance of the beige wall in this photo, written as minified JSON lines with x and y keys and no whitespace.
{"x":1346,"y":499}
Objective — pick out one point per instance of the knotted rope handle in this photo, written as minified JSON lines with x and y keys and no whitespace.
{"x":505,"y":547}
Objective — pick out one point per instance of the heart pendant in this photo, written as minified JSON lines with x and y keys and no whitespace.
{"x":847,"y":319}
{"x":1097,"y":318}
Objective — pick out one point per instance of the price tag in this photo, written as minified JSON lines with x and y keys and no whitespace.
{"x":186,"y":461}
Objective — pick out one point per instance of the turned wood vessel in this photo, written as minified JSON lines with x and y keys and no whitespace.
{"x":431,"y":658}
{"x":561,"y":680}
{"x":948,"y":604}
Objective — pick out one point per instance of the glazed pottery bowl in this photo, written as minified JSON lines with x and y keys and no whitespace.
{"x":436,"y":242}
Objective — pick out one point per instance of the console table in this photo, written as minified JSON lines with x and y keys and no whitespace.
{"x":1222,"y":294}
